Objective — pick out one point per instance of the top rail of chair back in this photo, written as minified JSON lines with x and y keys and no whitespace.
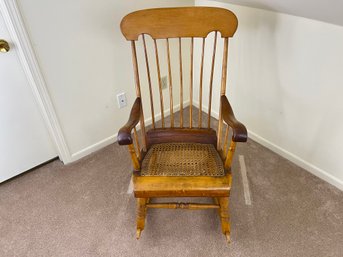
{"x":179,"y":22}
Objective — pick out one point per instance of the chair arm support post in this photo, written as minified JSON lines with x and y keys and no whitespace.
{"x":135,"y":161}
{"x":229,"y":155}
{"x":124,"y":134}
{"x":239,"y":131}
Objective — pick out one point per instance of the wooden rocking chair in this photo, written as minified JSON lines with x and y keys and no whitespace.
{"x":186,"y":160}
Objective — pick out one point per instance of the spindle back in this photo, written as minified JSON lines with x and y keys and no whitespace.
{"x":173,"y":26}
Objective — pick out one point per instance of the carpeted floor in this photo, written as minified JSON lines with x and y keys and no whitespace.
{"x":84,"y":209}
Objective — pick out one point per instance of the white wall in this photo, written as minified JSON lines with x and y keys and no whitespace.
{"x":284,"y":79}
{"x":86,"y":62}
{"x":285,"y":83}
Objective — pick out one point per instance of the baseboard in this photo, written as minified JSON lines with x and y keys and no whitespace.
{"x":93,"y":148}
{"x":113,"y":138}
{"x":324,"y":175}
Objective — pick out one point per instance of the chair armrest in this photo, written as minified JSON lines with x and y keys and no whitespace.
{"x":239,"y":131}
{"x":124,"y":134}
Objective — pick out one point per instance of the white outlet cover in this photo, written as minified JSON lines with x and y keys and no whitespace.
{"x":164,"y":82}
{"x":121,"y":98}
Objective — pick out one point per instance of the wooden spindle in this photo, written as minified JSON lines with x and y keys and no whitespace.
{"x":137,"y":143}
{"x":181,"y":85}
{"x":149,"y":81}
{"x":211,"y":80}
{"x":138,"y":90}
{"x":159,"y":82}
{"x":222,"y":90}
{"x":224,"y":150}
{"x":191,"y":86}
{"x":201,"y":78}
{"x":170,"y":86}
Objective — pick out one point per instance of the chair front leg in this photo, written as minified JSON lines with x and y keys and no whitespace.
{"x":141,"y":214}
{"x":224,"y":216}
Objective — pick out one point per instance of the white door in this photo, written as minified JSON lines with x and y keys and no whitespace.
{"x":24,"y":139}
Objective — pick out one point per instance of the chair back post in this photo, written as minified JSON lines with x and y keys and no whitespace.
{"x":222,"y":91}
{"x":211,"y":80}
{"x":138,"y":90}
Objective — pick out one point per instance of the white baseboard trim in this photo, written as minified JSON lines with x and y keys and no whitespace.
{"x":93,"y":148}
{"x":113,"y":138}
{"x":324,"y":175}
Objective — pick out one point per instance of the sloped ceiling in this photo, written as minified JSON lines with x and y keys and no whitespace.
{"x":330,"y":11}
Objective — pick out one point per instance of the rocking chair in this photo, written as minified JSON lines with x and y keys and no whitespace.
{"x":179,"y":159}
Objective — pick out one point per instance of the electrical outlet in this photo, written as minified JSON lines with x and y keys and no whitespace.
{"x":121,"y":98}
{"x":164,"y":82}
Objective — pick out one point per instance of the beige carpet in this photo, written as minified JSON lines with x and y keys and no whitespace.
{"x":83,"y":209}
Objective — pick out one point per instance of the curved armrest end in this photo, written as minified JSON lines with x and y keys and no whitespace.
{"x":124,"y":134}
{"x":124,"y":137}
{"x":240,"y":133}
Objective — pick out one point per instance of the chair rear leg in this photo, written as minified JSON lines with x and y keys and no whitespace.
{"x":141,"y":214}
{"x":224,"y":216}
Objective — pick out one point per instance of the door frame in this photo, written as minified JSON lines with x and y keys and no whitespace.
{"x":28,"y":60}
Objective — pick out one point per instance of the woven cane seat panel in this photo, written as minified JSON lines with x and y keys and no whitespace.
{"x":182,"y":159}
